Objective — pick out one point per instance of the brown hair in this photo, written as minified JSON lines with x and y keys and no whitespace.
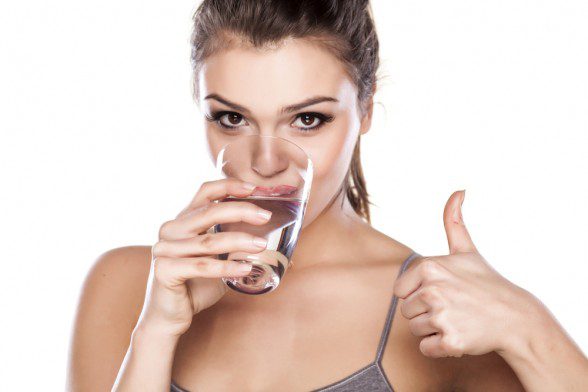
{"x":344,"y":27}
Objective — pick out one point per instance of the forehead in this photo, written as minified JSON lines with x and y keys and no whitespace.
{"x":294,"y":71}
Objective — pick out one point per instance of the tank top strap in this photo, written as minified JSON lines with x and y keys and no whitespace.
{"x":392,"y":310}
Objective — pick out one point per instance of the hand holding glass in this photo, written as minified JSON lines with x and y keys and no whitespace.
{"x":282,"y":174}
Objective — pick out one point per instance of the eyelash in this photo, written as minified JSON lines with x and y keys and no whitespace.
{"x":216,"y":116}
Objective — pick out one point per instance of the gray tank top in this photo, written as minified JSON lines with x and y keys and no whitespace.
{"x":370,"y":378}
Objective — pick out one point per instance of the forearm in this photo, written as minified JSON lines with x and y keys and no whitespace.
{"x":147,"y":364}
{"x":544,"y":357}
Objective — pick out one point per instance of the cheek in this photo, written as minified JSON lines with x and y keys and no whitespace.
{"x":331,"y":149}
{"x":331,"y":154}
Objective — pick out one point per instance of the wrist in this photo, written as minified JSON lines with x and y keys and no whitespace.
{"x":541,"y":353}
{"x":149,"y":324}
{"x":148,"y":361}
{"x":533,"y":333}
{"x":529,"y":325}
{"x":148,"y":334}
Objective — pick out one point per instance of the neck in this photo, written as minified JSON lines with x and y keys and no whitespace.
{"x":337,"y":224}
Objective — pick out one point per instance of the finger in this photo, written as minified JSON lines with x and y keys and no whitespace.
{"x":210,"y":244}
{"x":414,"y":305}
{"x":441,"y":345}
{"x":430,"y":346}
{"x":218,"y":189}
{"x":422,"y":326}
{"x":175,"y":271}
{"x":423,"y":270}
{"x":458,"y":237}
{"x":200,"y":220}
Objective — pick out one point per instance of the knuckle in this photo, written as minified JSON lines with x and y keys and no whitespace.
{"x":199,"y":216}
{"x":432,"y":271}
{"x":206,"y":266}
{"x":200,"y":266}
{"x":161,"y":268}
{"x":207,"y":241}
{"x":158,"y":248}
{"x":430,"y":294}
{"x":429,"y":268}
{"x":164,"y":229}
{"x":437,"y":321}
{"x":204,"y":186}
{"x":206,"y":211}
{"x":452,"y":345}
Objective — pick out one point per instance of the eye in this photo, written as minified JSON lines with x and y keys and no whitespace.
{"x":232,"y":120}
{"x":227,"y":119}
{"x":311,"y":121}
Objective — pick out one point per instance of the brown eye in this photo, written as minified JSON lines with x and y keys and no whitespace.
{"x":233,"y":119}
{"x":307,"y":121}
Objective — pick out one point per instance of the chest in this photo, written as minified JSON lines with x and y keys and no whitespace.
{"x":296,"y":343}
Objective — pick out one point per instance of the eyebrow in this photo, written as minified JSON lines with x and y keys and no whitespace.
{"x":285,"y":109}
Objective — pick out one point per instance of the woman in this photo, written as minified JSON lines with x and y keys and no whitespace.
{"x":155,"y":318}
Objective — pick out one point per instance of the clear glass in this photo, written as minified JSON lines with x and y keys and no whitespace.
{"x":282,"y":173}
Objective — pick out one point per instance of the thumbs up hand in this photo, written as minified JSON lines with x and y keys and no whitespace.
{"x":458,"y":303}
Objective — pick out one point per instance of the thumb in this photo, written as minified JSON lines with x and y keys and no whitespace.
{"x":458,"y":238}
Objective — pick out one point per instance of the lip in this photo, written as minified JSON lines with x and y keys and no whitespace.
{"x":279,"y":190}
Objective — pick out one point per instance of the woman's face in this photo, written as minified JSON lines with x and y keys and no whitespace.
{"x":244,"y":91}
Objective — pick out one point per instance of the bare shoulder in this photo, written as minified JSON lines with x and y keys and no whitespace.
{"x":381,"y":247}
{"x":117,"y":279}
{"x":109,"y":305}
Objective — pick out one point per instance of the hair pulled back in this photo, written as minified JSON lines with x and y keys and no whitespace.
{"x":343,"y":27}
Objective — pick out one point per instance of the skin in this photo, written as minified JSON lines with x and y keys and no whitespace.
{"x":148,"y":315}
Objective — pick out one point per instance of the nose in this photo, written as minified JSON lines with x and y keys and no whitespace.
{"x":268,"y":159}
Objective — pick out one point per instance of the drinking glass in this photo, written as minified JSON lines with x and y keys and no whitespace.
{"x":282,"y":173}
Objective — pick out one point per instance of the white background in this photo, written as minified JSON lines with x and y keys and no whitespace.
{"x":100,"y":144}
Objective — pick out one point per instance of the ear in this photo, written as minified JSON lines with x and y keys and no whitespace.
{"x":366,"y":121}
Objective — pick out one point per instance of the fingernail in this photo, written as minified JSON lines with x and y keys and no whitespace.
{"x":457,"y":215}
{"x":264,"y":214}
{"x":260,"y":242}
{"x":248,"y":186}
